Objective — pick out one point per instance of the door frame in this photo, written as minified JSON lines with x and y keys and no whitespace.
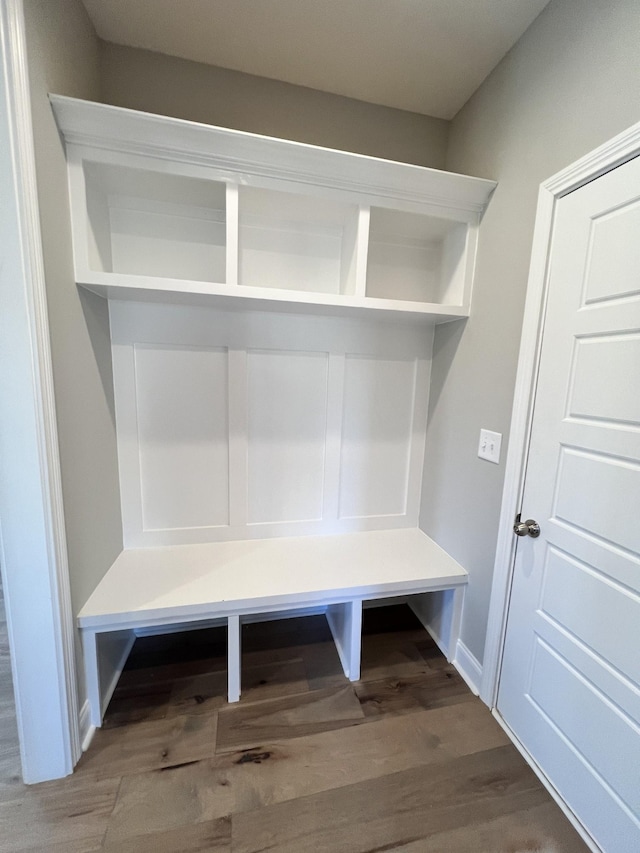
{"x":33,"y":548}
{"x":622,"y":148}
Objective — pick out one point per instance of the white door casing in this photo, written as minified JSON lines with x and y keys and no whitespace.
{"x":569,"y":686}
{"x":32,"y":537}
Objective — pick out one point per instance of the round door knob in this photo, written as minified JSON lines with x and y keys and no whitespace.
{"x":527,"y":528}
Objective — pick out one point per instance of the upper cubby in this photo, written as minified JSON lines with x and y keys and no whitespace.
{"x":151,"y":223}
{"x":296,"y":242}
{"x":416,"y":258}
{"x":170,"y":210}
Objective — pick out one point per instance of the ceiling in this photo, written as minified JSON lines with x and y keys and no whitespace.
{"x":427,"y":56}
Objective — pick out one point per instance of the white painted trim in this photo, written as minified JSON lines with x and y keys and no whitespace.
{"x":468,"y":666}
{"x":179,"y":627}
{"x":15,"y":69}
{"x":231,"y":216}
{"x":139,"y":288}
{"x":618,"y":150}
{"x":234,"y":659}
{"x":345,"y":624}
{"x":235,"y":153}
{"x":87,"y":729}
{"x":564,"y":808}
{"x":248,"y":619}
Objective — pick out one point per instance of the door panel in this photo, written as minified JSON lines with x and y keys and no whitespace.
{"x":595,"y":392}
{"x":570,"y":679}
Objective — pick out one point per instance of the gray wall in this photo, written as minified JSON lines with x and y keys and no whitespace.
{"x":571,"y":83}
{"x":143,"y":80}
{"x":63,"y":57}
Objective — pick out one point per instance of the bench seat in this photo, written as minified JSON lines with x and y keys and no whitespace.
{"x":150,"y":587}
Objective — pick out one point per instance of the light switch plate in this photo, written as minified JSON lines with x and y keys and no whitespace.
{"x":489,"y":446}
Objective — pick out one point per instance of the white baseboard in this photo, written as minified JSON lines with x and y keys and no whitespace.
{"x":468,"y":666}
{"x":87,"y":729}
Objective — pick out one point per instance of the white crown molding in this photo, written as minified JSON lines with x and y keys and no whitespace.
{"x":625,"y":146}
{"x":237,"y":153}
{"x":21,"y":131}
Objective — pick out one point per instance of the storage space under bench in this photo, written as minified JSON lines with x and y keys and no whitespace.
{"x":155,"y":587}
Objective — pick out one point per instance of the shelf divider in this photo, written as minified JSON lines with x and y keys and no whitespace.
{"x":233,"y":226}
{"x":362,"y":250}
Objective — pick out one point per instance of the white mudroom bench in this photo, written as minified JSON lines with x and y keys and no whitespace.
{"x":271,"y":312}
{"x":168,"y":586}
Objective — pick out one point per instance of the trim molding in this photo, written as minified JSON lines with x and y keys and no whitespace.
{"x":468,"y":666}
{"x":21,"y":129}
{"x":250,"y":618}
{"x":87,"y":729}
{"x":614,"y":153}
{"x":236,"y":153}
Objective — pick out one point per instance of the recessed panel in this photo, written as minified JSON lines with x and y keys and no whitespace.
{"x":583,"y":475}
{"x":602,"y":613}
{"x":376,"y":436}
{"x":606,"y":379}
{"x":589,"y":721}
{"x":181,"y":402}
{"x":287,"y":410}
{"x":614,"y":259}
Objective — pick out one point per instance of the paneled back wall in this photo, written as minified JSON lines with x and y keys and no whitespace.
{"x":236,"y":425}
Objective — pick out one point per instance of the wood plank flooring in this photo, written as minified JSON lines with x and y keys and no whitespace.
{"x":10,"y":770}
{"x":404,"y":760}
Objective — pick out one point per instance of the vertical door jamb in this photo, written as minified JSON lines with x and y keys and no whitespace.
{"x":33,"y":540}
{"x":614,"y":153}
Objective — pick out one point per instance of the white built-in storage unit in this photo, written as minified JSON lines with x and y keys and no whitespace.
{"x":271,"y":309}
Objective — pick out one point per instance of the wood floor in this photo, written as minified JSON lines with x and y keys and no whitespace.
{"x":404,"y":760}
{"x":9,"y":749}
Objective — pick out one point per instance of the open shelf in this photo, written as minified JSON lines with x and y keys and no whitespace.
{"x":416,"y":258}
{"x":154,"y":224}
{"x":174,"y":211}
{"x":296,"y":242}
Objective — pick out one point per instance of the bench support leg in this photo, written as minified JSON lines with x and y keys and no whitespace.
{"x":345,"y":621}
{"x":457,"y":600}
{"x":234,"y":658}
{"x":92,"y":675}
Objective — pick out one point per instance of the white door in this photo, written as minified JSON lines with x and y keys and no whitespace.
{"x":570,"y":679}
